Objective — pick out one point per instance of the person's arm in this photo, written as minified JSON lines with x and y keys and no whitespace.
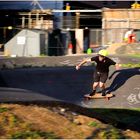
{"x":117,"y":66}
{"x":83,"y":62}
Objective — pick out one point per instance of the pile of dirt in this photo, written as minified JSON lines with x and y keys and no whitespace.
{"x":123,"y":48}
{"x":31,"y":121}
{"x":129,"y":49}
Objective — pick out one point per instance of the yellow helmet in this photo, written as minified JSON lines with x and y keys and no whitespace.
{"x":103,"y":53}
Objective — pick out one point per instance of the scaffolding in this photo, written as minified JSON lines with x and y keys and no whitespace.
{"x":37,"y":19}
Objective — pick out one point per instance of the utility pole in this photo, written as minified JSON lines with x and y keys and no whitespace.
{"x":77,"y":20}
{"x":29,"y":20}
{"x":23,"y":22}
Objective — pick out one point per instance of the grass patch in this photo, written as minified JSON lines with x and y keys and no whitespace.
{"x":93,"y":124}
{"x":3,"y":109}
{"x":135,"y":55}
{"x":111,"y":134}
{"x":13,"y":127}
{"x":33,"y":135}
{"x":130,"y":65}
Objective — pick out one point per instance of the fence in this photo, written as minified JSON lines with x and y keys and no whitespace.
{"x":92,"y":38}
{"x":63,"y":42}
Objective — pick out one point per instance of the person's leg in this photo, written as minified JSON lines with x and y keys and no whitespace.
{"x":95,"y":84}
{"x":103,"y":79}
{"x":102,"y":86}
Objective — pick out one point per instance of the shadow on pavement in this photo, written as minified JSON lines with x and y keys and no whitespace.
{"x":61,"y":84}
{"x":2,"y":81}
{"x":64,"y":84}
{"x":121,"y":77}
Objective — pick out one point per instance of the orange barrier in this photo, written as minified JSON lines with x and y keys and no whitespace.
{"x":131,"y":38}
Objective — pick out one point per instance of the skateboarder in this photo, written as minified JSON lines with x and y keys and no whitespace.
{"x":101,"y":70}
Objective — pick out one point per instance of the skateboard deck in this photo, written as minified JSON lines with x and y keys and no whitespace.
{"x":99,"y":96}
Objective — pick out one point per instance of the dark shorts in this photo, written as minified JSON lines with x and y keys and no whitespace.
{"x":100,"y":77}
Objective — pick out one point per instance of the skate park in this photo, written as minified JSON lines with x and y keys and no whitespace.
{"x":63,"y":83}
{"x":58,"y":80}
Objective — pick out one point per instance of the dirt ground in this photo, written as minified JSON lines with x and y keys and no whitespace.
{"x":124,"y":48}
{"x":63,"y":122}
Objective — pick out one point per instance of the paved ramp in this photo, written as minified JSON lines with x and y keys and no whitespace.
{"x":68,"y":85}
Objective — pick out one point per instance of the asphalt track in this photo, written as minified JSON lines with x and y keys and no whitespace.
{"x":66,"y":84}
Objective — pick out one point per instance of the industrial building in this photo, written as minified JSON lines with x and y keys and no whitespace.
{"x":81,"y":25}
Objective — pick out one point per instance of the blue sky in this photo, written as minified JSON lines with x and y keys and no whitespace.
{"x":26,"y":5}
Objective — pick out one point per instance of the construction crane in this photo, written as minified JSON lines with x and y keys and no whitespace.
{"x":36,"y":3}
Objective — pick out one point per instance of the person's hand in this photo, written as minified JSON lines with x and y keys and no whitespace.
{"x":77,"y":67}
{"x":118,"y":66}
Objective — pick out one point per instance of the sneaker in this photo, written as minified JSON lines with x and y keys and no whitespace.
{"x":103,"y":93}
{"x":92,"y":93}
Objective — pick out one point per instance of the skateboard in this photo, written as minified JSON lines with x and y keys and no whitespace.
{"x":99,"y":96}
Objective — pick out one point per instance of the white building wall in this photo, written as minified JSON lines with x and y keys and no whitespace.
{"x":25,"y":43}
